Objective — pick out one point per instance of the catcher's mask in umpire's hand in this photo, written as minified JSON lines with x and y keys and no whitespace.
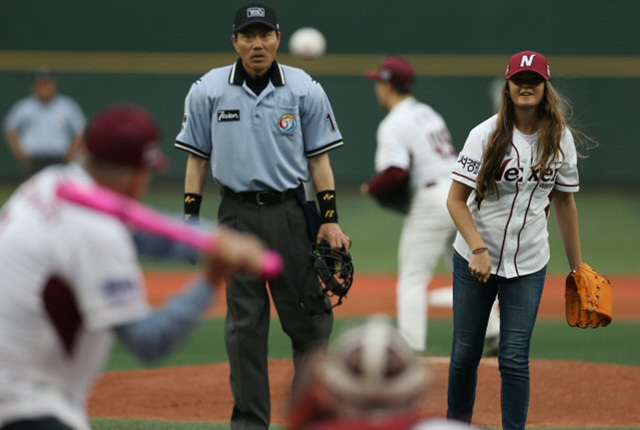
{"x":335,"y":270}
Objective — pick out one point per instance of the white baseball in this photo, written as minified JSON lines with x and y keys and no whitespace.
{"x":307,"y":43}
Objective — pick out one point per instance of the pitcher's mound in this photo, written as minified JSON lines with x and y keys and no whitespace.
{"x":563,"y":393}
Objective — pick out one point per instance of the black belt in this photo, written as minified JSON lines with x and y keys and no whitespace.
{"x":266,"y":197}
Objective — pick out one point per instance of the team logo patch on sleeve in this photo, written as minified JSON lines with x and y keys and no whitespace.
{"x":229,"y":115}
{"x":116,"y":289}
{"x":287,"y":123}
{"x":185,"y":120}
{"x":469,"y":164}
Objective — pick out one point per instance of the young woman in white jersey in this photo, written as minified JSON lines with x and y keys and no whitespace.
{"x":510,"y":169}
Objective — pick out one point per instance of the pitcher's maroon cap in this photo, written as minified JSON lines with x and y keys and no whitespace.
{"x":395,"y":70}
{"x":528,"y":61}
{"x":126,"y":135}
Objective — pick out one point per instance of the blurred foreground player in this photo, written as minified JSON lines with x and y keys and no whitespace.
{"x":369,"y":379}
{"x":70,"y":280}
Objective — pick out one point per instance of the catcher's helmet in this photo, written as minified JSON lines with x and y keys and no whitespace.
{"x":335,"y":270}
{"x":371,"y":367}
{"x":369,"y":372}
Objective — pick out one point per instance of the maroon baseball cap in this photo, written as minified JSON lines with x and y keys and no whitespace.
{"x":126,"y":135}
{"x":528,"y":61}
{"x":394,"y":70}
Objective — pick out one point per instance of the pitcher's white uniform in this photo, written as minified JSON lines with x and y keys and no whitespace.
{"x":415,"y":138}
{"x":514,"y":227}
{"x":68,"y":275}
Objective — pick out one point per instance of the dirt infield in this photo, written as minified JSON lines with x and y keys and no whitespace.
{"x":376,"y":294}
{"x":563,"y":393}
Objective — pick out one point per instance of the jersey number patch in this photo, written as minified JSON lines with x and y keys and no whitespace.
{"x":442,"y":143}
{"x":332,"y":124}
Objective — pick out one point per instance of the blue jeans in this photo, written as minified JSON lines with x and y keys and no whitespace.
{"x":519,"y":300}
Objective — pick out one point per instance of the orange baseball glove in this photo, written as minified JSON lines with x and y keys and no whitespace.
{"x":588,"y":298}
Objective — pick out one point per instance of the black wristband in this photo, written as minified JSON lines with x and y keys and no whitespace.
{"x":327,"y":203}
{"x":192,"y":204}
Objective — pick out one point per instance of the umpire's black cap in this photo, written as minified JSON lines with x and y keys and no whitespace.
{"x":255,"y":14}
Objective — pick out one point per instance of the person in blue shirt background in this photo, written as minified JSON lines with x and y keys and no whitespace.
{"x":46,"y":127}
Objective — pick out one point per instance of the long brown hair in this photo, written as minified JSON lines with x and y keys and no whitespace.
{"x":552,"y":123}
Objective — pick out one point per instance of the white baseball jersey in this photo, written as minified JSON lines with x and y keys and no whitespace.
{"x":68,"y":275}
{"x":414,"y":137}
{"x":514,"y":226}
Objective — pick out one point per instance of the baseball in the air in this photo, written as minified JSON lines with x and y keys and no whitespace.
{"x":307,"y":43}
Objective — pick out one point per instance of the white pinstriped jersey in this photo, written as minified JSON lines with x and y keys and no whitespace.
{"x":414,"y":137}
{"x":514,"y":226}
{"x":68,"y":276}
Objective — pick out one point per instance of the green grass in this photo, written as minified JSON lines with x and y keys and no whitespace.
{"x":556,"y":340}
{"x":608,"y":220}
{"x":609,"y":233}
{"x":551,"y":340}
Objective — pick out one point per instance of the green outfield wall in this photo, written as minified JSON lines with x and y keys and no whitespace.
{"x":149,"y":52}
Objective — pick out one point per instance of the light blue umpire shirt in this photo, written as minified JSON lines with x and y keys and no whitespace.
{"x":46,"y":129}
{"x":258,"y":142}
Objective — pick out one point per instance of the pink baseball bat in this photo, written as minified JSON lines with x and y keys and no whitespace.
{"x":136,"y":214}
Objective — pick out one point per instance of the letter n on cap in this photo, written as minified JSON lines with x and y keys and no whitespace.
{"x":526,"y":60}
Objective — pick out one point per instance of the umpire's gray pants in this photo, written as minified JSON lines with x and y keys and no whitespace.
{"x":283,"y":227}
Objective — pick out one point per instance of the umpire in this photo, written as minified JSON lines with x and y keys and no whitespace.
{"x":265,"y":128}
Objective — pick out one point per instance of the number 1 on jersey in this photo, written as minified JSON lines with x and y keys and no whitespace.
{"x":332,"y":124}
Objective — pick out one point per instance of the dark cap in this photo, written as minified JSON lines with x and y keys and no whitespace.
{"x":395,"y":70}
{"x":255,"y":14}
{"x":43,"y":72}
{"x":128,"y":136}
{"x":528,"y":61}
